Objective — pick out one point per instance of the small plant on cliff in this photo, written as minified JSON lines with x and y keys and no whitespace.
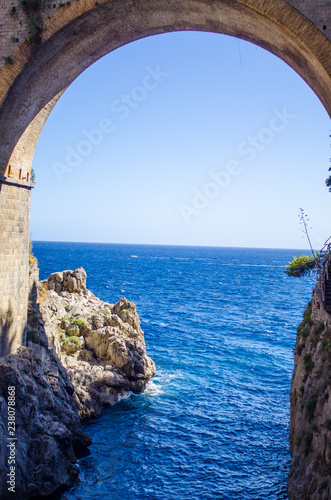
{"x":328,"y":180}
{"x":326,"y":346}
{"x":124,"y":311}
{"x":317,"y":331}
{"x":75,"y":342}
{"x":9,"y":59}
{"x":304,"y":265}
{"x":310,"y":408}
{"x":31,"y":9}
{"x":31,"y":5}
{"x":80,"y":323}
{"x":306,"y":437}
{"x":33,"y":336}
{"x":308,"y":363}
{"x":32,"y":258}
{"x":35,"y":32}
{"x":33,"y":176}
{"x":83,"y":327}
{"x":301,"y":266}
{"x":304,"y":332}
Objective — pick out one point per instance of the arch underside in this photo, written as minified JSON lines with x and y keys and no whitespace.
{"x":63,"y":56}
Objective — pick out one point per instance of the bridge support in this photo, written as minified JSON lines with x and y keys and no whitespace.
{"x":14,"y":261}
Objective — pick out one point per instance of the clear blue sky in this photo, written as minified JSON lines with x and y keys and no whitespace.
{"x":198,"y":139}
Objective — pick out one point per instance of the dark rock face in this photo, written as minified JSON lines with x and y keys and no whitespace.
{"x":48,"y":428}
{"x":81,"y":354}
{"x":310,"y":425}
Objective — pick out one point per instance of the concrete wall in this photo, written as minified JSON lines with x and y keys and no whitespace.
{"x":14,"y":262}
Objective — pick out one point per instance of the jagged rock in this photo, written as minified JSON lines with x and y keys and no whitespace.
{"x":48,"y":428}
{"x":109,"y":338}
{"x":310,"y":423}
{"x":82,"y":354}
{"x":68,"y":281}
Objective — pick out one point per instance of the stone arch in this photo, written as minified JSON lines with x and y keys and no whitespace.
{"x":77,"y":34}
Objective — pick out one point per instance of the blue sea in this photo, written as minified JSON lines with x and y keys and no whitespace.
{"x":220,"y":324}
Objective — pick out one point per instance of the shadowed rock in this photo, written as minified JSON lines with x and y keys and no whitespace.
{"x":81,"y":354}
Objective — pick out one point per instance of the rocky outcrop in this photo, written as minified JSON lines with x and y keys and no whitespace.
{"x":310,"y":425}
{"x":101,"y":345}
{"x":81,"y":354}
{"x":47,"y":431}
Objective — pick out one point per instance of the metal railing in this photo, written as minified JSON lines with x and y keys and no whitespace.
{"x":323,"y":265}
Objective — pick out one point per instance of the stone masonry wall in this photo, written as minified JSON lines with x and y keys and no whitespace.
{"x":317,"y":11}
{"x":14,"y":263}
{"x":14,"y":24}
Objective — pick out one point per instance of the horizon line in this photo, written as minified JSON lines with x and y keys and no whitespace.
{"x":167,"y":245}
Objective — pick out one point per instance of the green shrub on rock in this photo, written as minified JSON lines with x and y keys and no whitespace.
{"x":84,"y":327}
{"x":71,"y":344}
{"x":301,"y":266}
{"x":308,"y":363}
{"x":72,"y":330}
{"x":310,"y":408}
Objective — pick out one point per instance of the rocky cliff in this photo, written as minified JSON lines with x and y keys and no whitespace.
{"x":310,"y":424}
{"x":80,"y":354}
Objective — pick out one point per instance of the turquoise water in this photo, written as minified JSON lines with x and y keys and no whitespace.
{"x":220,"y":324}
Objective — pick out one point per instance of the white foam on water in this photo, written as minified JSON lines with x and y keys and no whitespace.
{"x":123,"y":396}
{"x":164,"y":376}
{"x":153,"y":389}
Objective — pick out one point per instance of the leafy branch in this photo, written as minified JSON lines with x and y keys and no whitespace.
{"x":301,"y":266}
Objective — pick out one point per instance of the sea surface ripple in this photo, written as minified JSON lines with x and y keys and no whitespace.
{"x":220,"y":324}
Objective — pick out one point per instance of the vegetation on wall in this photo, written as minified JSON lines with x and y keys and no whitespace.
{"x":9,"y":59}
{"x":32,"y":258}
{"x":33,"y":176}
{"x":31,"y":9}
{"x":301,"y":266}
{"x":328,"y":181}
